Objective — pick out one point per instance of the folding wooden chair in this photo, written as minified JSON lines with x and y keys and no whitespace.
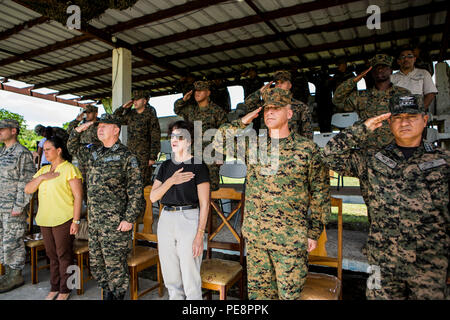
{"x":320,"y":286}
{"x":218,"y":274}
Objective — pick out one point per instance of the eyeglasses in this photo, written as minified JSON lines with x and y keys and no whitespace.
{"x":177,"y":136}
{"x":409,"y":55}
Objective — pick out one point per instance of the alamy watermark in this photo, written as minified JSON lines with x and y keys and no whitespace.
{"x":74,"y":20}
{"x":246,"y":145}
{"x":374,"y":280}
{"x":374,"y":20}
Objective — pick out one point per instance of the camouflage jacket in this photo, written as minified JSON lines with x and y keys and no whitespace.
{"x":301,"y":121}
{"x":407,"y":199}
{"x":88,"y":136}
{"x":277,"y":199}
{"x":144,"y":132}
{"x":114,"y":186}
{"x":16,"y":170}
{"x":211,"y":116}
{"x":367,"y":103}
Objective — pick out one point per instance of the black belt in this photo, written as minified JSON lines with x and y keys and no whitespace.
{"x":180,"y":208}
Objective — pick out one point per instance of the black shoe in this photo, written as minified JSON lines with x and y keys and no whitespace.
{"x":119,"y":296}
{"x":107,"y":295}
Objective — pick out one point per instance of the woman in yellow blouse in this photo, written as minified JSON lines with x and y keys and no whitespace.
{"x":60,"y":199}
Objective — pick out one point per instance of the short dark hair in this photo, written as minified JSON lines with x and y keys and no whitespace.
{"x":48,"y":132}
{"x":404,"y":48}
{"x":182,"y":124}
{"x":57,"y":142}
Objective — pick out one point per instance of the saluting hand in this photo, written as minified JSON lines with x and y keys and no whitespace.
{"x":80,"y":116}
{"x":181,"y":177}
{"x":188,"y":95}
{"x":362,"y":75}
{"x":248,"y":118}
{"x":128,"y":104}
{"x":376,"y":122}
{"x":84,"y":126}
{"x":266,"y":86}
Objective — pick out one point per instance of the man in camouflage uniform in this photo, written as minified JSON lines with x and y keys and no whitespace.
{"x":115,"y":199}
{"x":210,"y":114}
{"x":88,"y":137}
{"x":408,"y":197}
{"x":301,"y":121}
{"x":16,"y":170}
{"x":370,"y":102}
{"x":277,"y":228}
{"x":144,"y":133}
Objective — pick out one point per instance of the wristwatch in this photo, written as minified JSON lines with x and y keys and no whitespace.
{"x":76,"y":221}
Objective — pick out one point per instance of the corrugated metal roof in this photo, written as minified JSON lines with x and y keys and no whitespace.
{"x":204,"y":31}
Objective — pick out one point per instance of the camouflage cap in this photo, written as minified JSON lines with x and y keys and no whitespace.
{"x":91,"y":108}
{"x":381,"y":59}
{"x":406,"y":104}
{"x":277,"y":97}
{"x":141,"y":93}
{"x":201,"y":85}
{"x":109,"y":118}
{"x":282,"y":75}
{"x":9,"y":123}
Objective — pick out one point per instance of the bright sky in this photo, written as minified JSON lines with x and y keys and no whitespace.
{"x":40,"y":111}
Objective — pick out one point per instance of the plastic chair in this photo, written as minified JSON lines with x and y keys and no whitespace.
{"x":344,"y":120}
{"x":320,"y":286}
{"x":322,"y":139}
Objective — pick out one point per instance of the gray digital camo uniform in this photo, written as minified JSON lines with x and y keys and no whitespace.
{"x":16,"y":170}
{"x":408,"y":204}
{"x":115,"y":193}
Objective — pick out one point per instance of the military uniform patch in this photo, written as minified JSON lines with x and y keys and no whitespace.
{"x":431,"y":164}
{"x":387,"y":161}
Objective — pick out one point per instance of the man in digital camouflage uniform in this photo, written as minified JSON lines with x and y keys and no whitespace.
{"x":370,"y":102}
{"x":144,"y":132}
{"x":211,"y":116}
{"x":16,"y":170}
{"x":279,"y":232}
{"x":408,"y":196}
{"x":115,"y":199}
{"x":87,"y":138}
{"x":301,"y":121}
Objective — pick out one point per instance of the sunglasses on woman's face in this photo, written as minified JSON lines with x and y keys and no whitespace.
{"x":176,"y":136}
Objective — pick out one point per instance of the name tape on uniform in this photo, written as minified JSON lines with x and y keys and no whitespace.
{"x":431,"y":164}
{"x":386,"y":160}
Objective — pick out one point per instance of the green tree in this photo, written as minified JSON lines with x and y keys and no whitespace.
{"x":27,"y":137}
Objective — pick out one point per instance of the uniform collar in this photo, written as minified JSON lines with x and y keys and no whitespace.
{"x":424,"y":147}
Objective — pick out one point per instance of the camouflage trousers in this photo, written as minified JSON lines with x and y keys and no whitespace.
{"x":12,"y":233}
{"x":146,"y":171}
{"x":214,"y":176}
{"x":108,"y":253}
{"x":418,"y":282}
{"x":275,"y":274}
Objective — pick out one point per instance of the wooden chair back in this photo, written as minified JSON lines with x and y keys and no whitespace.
{"x":229,"y":194}
{"x":147,"y":231}
{"x":319,"y":255}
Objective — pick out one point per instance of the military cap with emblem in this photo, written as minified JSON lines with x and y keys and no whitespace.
{"x":201,"y":85}
{"x":406,"y":104}
{"x":282,"y":75}
{"x":91,"y":108}
{"x":9,"y":123}
{"x":277,"y":97}
{"x":381,"y":58}
{"x":109,"y":118}
{"x":141,"y":93}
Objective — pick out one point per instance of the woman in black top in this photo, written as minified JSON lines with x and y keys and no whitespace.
{"x":182,"y":184}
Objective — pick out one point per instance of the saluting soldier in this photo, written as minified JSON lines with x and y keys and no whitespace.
{"x":408,"y":196}
{"x":16,"y":170}
{"x":301,"y":121}
{"x":370,"y":102}
{"x":144,"y":132}
{"x":115,"y":199}
{"x":210,"y":114}
{"x":278,"y":231}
